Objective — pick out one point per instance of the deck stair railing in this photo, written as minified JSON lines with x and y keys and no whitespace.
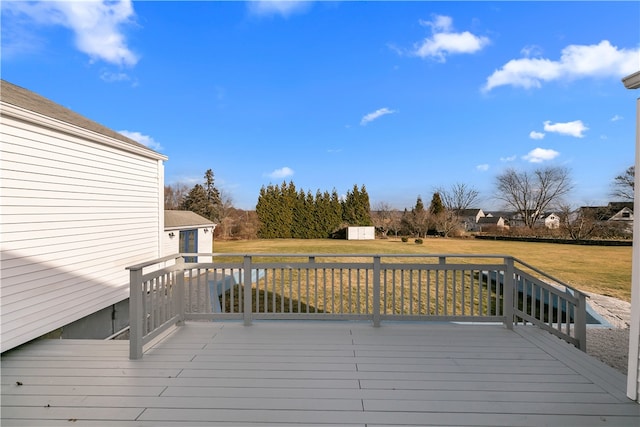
{"x":435,"y":287}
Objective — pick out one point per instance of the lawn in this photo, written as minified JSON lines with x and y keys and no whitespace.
{"x":597,"y":269}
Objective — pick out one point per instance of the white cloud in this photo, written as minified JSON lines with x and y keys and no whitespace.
{"x":280,"y":173}
{"x":444,"y":41}
{"x":483,"y":167}
{"x":283,"y":8}
{"x":616,"y":118}
{"x":375,"y":115}
{"x":110,"y":77}
{"x":576,"y":61}
{"x":539,"y":155}
{"x":97,"y":25}
{"x":508,"y":159}
{"x":145,"y":140}
{"x":536,"y":135}
{"x":575,"y":128}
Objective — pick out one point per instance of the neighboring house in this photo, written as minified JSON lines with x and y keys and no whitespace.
{"x":617,"y":212}
{"x":550,"y":220}
{"x":469,"y":218}
{"x":489,"y":223}
{"x":187,"y":232}
{"x":78,"y":204}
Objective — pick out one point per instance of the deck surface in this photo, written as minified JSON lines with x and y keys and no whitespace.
{"x":316,"y":373}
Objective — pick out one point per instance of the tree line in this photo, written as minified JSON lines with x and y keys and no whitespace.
{"x":283,"y":211}
{"x":286,"y":212}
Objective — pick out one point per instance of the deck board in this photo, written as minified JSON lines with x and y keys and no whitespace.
{"x":309,"y":373}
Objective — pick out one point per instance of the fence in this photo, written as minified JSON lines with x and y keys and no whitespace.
{"x":441,"y":287}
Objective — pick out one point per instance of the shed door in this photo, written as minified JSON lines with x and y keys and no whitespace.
{"x":189,"y":244}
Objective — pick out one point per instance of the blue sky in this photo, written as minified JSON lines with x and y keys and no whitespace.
{"x":403,"y":97}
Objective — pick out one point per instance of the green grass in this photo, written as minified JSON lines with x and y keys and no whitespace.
{"x":598,"y":269}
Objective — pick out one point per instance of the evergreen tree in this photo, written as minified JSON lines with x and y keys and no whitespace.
{"x":438,"y":213}
{"x":436,"y":207}
{"x":286,"y":209}
{"x":364,"y":208}
{"x":335,"y":212}
{"x":266,"y":212}
{"x":213,"y":197}
{"x":417,"y":220}
{"x":196,"y":201}
{"x":356,"y":209}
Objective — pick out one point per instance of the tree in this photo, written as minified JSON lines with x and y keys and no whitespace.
{"x":579,"y":224}
{"x":213,"y":197}
{"x":458,"y":197}
{"x":174,"y":194}
{"x":196,"y":201}
{"x":416,"y":221}
{"x":455,"y":199}
{"x":382,"y":217}
{"x":204,"y":200}
{"x":355,"y":207}
{"x":623,"y":185}
{"x":531,"y":193}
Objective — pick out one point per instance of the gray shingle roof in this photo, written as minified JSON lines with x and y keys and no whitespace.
{"x":23,"y":98}
{"x":180,"y":219}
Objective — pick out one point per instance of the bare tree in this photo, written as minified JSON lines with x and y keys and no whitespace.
{"x":458,"y":197}
{"x":531,"y":193}
{"x":174,"y":195}
{"x":455,"y":199}
{"x":623,"y":185}
{"x":578,"y":224}
{"x":227,"y":215}
{"x":382,"y":216}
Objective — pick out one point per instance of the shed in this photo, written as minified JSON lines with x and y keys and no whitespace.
{"x":79,"y":203}
{"x":361,"y":233}
{"x":187,"y":232}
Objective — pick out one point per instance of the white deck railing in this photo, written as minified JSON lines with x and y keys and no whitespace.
{"x":442,"y":287}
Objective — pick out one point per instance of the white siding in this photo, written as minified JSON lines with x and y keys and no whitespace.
{"x":170,"y":245}
{"x":204,"y":243}
{"x":74,"y":213}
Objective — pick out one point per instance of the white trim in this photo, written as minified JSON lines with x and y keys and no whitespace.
{"x":64,"y":127}
{"x":160,"y":207}
{"x":633,"y":374}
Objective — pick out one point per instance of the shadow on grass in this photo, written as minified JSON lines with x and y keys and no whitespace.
{"x":274,"y":303}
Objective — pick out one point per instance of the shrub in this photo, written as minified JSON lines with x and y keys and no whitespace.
{"x":418,"y":241}
{"x":405,"y":239}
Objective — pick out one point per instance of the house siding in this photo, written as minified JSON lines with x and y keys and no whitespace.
{"x":75,"y":212}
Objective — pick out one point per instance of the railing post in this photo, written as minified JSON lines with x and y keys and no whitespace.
{"x":509,"y":289}
{"x":248,"y":306}
{"x":376,"y":291}
{"x":580,"y":321}
{"x":180,"y":298}
{"x":136,"y":316}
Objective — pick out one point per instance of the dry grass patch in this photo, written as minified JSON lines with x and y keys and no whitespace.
{"x":597,"y":269}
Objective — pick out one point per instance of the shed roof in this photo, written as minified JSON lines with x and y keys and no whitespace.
{"x":182,"y":219}
{"x":24,"y":98}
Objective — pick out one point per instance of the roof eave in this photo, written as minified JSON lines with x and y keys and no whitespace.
{"x":23,"y":114}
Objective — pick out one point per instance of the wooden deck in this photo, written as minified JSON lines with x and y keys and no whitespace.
{"x":315,"y":373}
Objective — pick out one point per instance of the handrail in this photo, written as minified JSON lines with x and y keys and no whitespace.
{"x":548,"y":276}
{"x":373,"y":287}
